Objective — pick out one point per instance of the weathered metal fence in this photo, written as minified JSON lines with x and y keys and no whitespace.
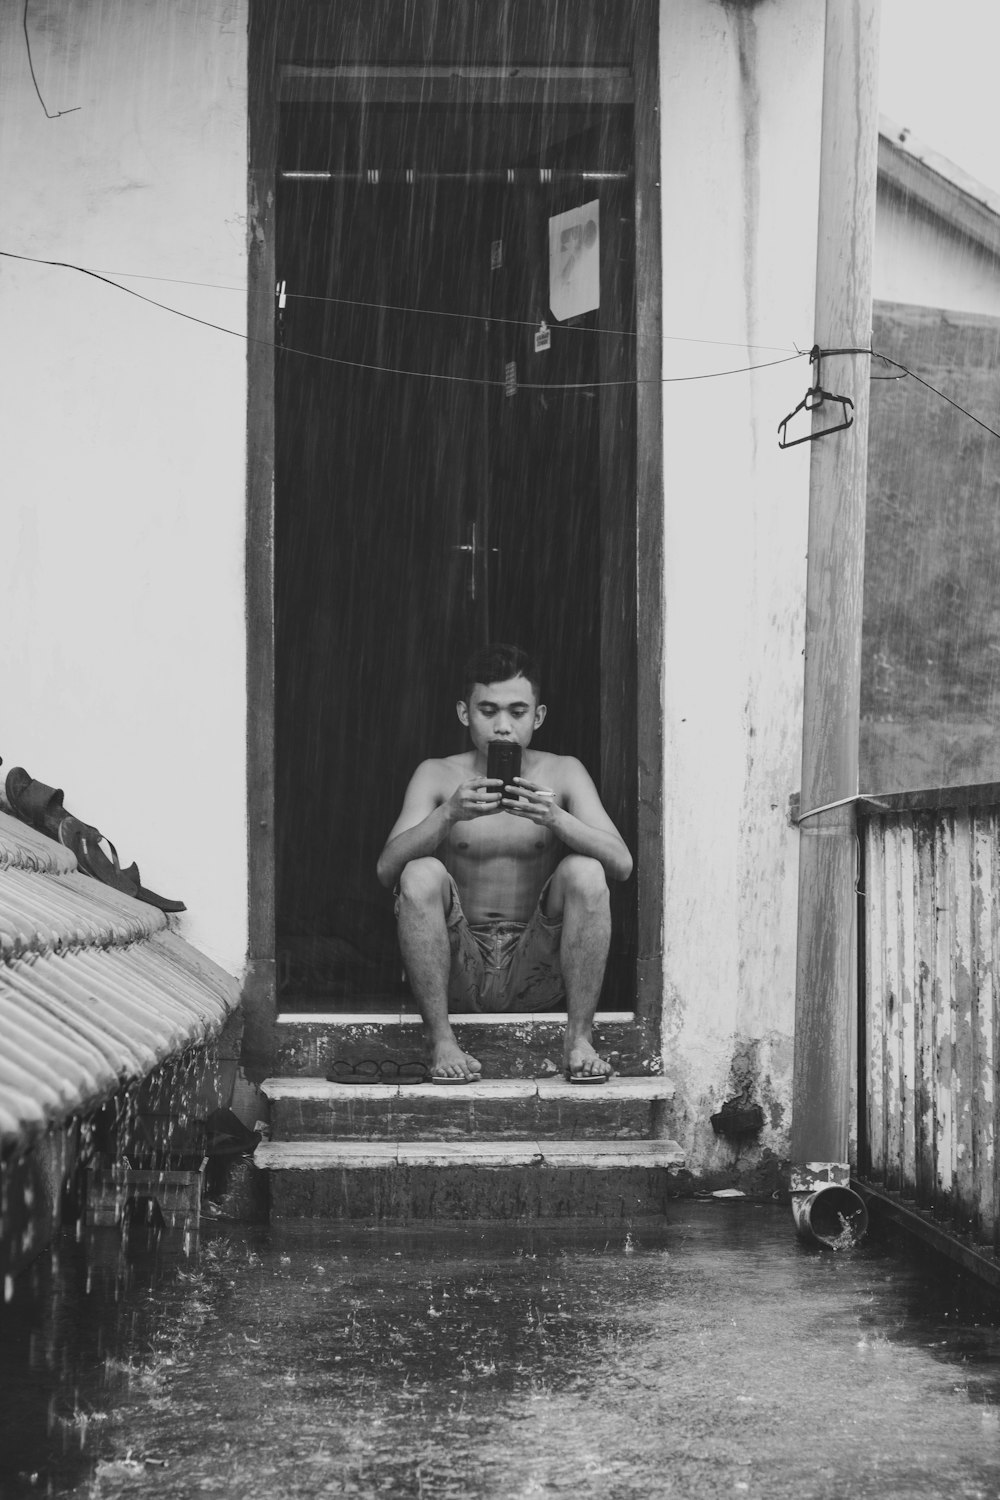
{"x":930,"y":943}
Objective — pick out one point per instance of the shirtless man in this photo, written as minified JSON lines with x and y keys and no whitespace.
{"x":503,"y":891}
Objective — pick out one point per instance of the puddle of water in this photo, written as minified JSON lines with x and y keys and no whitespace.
{"x":707,"y":1354}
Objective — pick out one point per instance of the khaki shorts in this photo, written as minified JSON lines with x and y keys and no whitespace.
{"x":499,"y":966}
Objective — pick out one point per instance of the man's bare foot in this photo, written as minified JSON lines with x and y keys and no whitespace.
{"x":449,"y":1061}
{"x":582,"y":1061}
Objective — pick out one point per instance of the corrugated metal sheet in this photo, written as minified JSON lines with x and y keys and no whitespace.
{"x":932,"y":960}
{"x":96,"y":990}
{"x":42,"y":914}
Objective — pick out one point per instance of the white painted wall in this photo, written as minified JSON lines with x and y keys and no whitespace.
{"x":124,"y":435}
{"x":920,"y":260}
{"x":741,"y":99}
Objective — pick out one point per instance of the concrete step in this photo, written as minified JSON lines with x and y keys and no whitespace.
{"x":508,"y":1046}
{"x":307,"y":1108}
{"x":398,"y":1181}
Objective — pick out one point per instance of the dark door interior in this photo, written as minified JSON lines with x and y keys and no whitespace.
{"x":440,"y":483}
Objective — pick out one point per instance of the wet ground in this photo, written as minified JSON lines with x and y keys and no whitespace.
{"x":706,"y":1355}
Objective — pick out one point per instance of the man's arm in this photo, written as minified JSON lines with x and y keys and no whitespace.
{"x":582,"y":824}
{"x":428,"y":813}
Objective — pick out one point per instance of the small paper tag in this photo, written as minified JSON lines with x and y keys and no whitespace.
{"x":496,"y":255}
{"x":510,"y":378}
{"x":543,"y":337}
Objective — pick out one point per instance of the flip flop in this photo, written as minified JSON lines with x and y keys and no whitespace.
{"x":447,"y":1082}
{"x":586,"y":1078}
{"x":85,"y":841}
{"x":42,"y":807}
{"x":377,"y":1070}
{"x":36,"y":803}
{"x":143,"y":893}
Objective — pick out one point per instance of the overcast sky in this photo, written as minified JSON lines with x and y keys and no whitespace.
{"x":939,"y":75}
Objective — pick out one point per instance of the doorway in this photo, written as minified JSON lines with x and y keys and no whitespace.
{"x":451,"y":463}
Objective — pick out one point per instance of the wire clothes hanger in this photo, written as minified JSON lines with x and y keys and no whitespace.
{"x":814,"y":398}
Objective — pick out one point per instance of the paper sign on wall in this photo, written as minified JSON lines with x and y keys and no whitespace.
{"x":575,"y":262}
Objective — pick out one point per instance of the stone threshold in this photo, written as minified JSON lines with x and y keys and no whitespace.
{"x":617,"y":1089}
{"x":319,"y":1156}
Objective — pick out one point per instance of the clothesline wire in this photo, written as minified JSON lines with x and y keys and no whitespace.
{"x":933,"y":388}
{"x":906,"y":371}
{"x":391,"y":369}
{"x":482,"y":381}
{"x":433,"y":312}
{"x":429,"y":312}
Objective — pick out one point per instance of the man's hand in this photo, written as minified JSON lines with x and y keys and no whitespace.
{"x":537,"y":803}
{"x":475,"y":799}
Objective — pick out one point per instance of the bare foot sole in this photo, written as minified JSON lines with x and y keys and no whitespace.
{"x":449,"y":1064}
{"x":584,"y":1065}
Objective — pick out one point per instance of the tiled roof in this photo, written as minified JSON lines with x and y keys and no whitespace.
{"x":96,"y":989}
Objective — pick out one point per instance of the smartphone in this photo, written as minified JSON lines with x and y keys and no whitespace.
{"x":503,"y":761}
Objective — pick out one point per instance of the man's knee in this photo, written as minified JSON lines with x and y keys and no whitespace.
{"x":583,"y":879}
{"x":424,"y":882}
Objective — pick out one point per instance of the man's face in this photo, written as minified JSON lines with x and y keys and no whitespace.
{"x":502,"y":711}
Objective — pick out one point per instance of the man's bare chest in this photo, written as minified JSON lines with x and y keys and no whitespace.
{"x":501,"y":836}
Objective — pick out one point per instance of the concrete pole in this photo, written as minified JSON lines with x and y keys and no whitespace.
{"x":825,"y":993}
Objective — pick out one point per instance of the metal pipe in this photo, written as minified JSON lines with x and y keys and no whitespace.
{"x":832,"y":1216}
{"x":823,"y":1073}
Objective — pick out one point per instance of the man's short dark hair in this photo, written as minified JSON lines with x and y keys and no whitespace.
{"x":499,"y":663}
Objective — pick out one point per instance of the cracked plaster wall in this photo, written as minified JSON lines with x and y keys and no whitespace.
{"x":741,"y":107}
